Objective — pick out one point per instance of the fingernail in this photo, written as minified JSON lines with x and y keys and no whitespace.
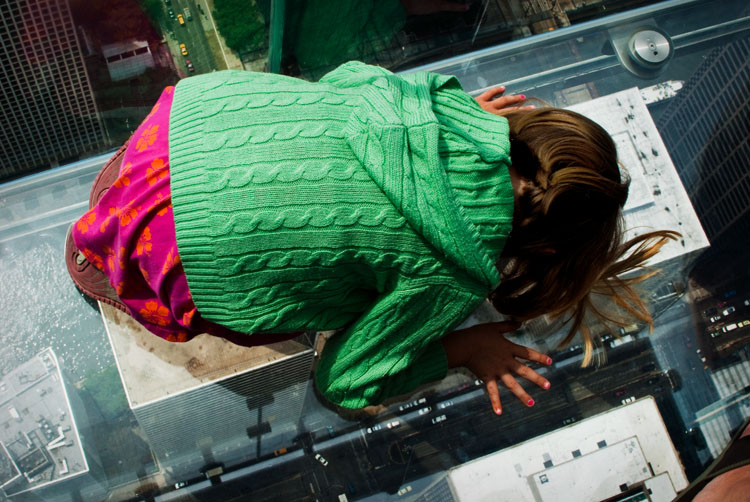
{"x":549,"y":361}
{"x":532,"y":106}
{"x":498,"y":411}
{"x":546,"y":385}
{"x":531,"y":402}
{"x":523,"y":96}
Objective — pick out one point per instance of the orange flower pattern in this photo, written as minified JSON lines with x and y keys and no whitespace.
{"x":135,"y":246}
{"x":180,"y":336}
{"x":170,"y":261}
{"x":155,"y":313}
{"x":125,"y":215}
{"x":187,"y":317}
{"x":126,"y":169}
{"x":122,"y":181}
{"x":160,"y":201}
{"x":144,"y":245}
{"x":86,"y":221}
{"x":147,"y":138}
{"x":93,"y":258}
{"x":115,"y":259}
{"x":157,"y":171}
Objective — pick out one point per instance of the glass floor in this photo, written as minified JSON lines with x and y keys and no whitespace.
{"x":95,"y":408}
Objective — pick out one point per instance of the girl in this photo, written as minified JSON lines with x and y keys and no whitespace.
{"x":255,"y":206}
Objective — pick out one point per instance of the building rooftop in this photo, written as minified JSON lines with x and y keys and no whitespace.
{"x":152,"y":368}
{"x":40,"y":441}
{"x":657,"y":198}
{"x":594,"y":459}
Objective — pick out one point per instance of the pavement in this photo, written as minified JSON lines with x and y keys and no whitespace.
{"x":207,"y":50}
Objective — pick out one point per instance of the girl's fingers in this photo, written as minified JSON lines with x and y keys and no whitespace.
{"x":516,"y":389}
{"x":494,"y":393}
{"x":530,"y":354}
{"x":532,"y":376}
{"x":507,"y":101}
{"x":491,"y":93}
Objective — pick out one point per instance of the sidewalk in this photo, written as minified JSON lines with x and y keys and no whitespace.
{"x":225,"y":58}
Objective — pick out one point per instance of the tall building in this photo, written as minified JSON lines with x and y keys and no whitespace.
{"x":707,"y":132}
{"x":622,"y":454}
{"x":657,"y":199}
{"x":718,"y":420}
{"x":208,"y":401}
{"x":48,"y":115}
{"x":39,"y":441}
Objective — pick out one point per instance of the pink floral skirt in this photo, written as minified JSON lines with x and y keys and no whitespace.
{"x":130,"y":236}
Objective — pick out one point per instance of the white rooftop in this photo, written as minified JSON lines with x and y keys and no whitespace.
{"x":657,"y":199}
{"x":39,"y":440}
{"x":152,"y":368}
{"x":593,"y":459}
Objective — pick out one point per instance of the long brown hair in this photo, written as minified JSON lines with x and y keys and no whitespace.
{"x":567,"y":245}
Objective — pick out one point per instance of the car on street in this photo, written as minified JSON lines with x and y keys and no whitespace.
{"x":189,"y":65}
{"x":320,"y":458}
{"x":675,"y":380}
{"x":188,"y":16}
{"x":170,"y":11}
{"x":183,"y":49}
{"x":181,"y":19}
{"x":715,"y":318}
{"x":729,"y":327}
{"x":728,"y":311}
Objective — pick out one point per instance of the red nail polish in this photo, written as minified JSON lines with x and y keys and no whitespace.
{"x":523,"y":96}
{"x":531,"y":402}
{"x":549,"y":361}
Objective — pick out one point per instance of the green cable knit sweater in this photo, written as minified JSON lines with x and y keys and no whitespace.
{"x":368,"y":201}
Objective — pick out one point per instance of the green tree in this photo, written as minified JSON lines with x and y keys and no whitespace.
{"x":240,"y":23}
{"x":155,"y":11}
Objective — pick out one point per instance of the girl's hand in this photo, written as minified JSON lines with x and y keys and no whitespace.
{"x":490,"y":356}
{"x":493,"y":101}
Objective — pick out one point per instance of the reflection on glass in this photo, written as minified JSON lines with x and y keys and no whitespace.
{"x":51,"y":114}
{"x":92,"y":71}
{"x":78,"y":77}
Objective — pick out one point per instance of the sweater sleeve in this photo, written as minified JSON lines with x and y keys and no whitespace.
{"x":395,"y":346}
